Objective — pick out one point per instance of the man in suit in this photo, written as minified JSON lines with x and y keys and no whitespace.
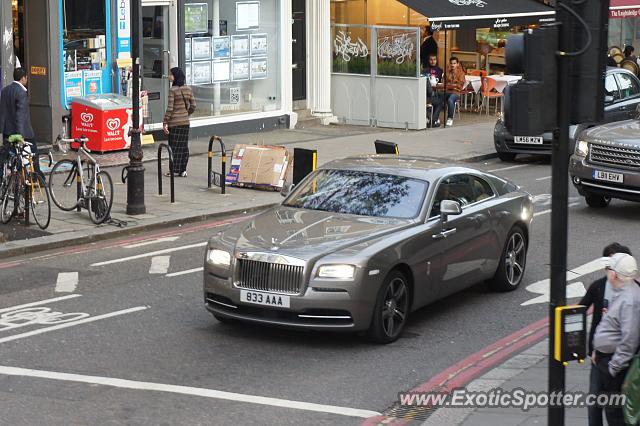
{"x":15,"y":117}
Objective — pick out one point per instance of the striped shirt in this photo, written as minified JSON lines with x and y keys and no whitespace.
{"x":180,"y":98}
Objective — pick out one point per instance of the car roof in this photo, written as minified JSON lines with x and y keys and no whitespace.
{"x":417,"y":167}
{"x":613,"y":70}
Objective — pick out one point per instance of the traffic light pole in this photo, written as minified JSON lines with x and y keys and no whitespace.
{"x":135,"y":176}
{"x":559,"y":208}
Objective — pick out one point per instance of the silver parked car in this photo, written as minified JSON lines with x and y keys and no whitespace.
{"x":362,"y":242}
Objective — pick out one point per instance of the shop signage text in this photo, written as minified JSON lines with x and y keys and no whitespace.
{"x":501,"y":23}
{"x":398,"y":49}
{"x":124,"y":29}
{"x":348,"y":49}
{"x":38,"y":70}
{"x":476,"y":3}
{"x":624,"y":13}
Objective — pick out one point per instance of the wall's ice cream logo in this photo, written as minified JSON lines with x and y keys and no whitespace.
{"x":86,"y":117}
{"x":113,"y":123}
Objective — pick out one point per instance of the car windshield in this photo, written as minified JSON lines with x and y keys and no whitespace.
{"x":360,"y":193}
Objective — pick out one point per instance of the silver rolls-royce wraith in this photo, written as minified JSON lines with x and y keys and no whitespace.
{"x":362,"y":242}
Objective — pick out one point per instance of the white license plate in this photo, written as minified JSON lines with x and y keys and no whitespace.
{"x":266,"y":299}
{"x":609,"y":177}
{"x":529,"y":140}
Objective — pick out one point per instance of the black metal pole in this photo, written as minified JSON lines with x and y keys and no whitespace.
{"x":135,"y":177}
{"x":559,"y":209}
{"x":445,"y":69}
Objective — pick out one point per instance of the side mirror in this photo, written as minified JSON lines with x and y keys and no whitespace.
{"x":637,"y":112}
{"x":608,"y":100}
{"x":449,"y":208}
{"x":286,"y":189}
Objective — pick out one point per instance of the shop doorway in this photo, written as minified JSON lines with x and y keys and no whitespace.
{"x":299,"y":46}
{"x":17,"y":16}
{"x":157,"y":37}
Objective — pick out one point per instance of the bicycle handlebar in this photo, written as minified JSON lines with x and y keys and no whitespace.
{"x":82,"y":140}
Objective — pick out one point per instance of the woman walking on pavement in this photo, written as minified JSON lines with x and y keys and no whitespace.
{"x":181,"y":104}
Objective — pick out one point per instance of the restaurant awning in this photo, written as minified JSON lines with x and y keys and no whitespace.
{"x":624,"y":9}
{"x":496,"y":14}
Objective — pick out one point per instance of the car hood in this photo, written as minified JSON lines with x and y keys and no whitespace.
{"x":306,"y":234}
{"x":622,"y":133}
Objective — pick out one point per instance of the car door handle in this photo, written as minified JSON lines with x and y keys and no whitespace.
{"x":622,"y":108}
{"x":445,"y":234}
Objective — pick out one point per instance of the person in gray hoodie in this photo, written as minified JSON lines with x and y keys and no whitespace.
{"x":617,"y":337}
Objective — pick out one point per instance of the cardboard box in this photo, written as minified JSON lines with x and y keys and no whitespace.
{"x":258,"y":166}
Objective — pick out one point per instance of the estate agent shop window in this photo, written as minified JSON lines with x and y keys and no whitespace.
{"x":232,"y":60}
{"x":86,"y":50}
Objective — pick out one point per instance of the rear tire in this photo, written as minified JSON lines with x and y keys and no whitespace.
{"x":100,"y":204}
{"x":391,"y":310}
{"x":597,"y":201}
{"x":513,"y":262}
{"x":63,"y":185}
{"x":40,"y":202}
{"x":506,"y":156}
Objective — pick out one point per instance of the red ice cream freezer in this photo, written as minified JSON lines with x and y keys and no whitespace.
{"x":104,"y":119}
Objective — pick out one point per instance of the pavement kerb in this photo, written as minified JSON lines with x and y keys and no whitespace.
{"x":49,"y":242}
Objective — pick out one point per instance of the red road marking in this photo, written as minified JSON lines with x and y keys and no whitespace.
{"x":187,"y":229}
{"x":470,"y":368}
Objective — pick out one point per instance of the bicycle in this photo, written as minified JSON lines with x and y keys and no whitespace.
{"x":74,"y":186}
{"x":21,"y":181}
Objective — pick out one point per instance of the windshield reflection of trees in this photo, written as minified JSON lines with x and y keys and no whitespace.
{"x":361,"y":193}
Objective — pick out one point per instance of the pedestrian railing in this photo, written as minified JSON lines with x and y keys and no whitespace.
{"x":215,"y":178}
{"x":171,"y":175}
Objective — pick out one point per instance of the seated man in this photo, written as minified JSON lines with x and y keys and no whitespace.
{"x":455,"y":83}
{"x":436,"y":101}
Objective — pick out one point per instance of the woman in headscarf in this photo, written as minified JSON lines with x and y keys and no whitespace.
{"x":180,"y":106}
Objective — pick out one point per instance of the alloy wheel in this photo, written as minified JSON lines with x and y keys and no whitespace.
{"x":395,"y":307}
{"x":515,"y":258}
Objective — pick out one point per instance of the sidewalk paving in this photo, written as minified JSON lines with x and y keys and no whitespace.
{"x":195,"y":202}
{"x":527,"y":370}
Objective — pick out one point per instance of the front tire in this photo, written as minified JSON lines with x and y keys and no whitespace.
{"x":391,"y":310}
{"x":597,"y":201}
{"x":63,"y":185}
{"x":40,"y":204}
{"x":512,"y":262}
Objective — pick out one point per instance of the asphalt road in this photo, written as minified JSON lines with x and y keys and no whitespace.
{"x":129,"y":342}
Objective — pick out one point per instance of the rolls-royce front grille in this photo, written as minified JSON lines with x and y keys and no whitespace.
{"x":614,"y":155}
{"x":272,"y":277}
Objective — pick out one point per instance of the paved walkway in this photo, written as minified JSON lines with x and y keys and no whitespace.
{"x":195,"y":202}
{"x":527,"y":370}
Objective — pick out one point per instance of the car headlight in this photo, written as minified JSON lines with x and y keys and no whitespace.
{"x":219,"y":257}
{"x":582,"y":148}
{"x":340,"y":272}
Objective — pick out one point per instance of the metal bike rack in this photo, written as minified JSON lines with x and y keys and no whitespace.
{"x":214,"y":178}
{"x":171,"y":177}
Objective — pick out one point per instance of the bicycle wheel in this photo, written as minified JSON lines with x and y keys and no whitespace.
{"x":63,"y":186}
{"x":9,"y":205}
{"x":40,"y":204}
{"x":100,"y":202}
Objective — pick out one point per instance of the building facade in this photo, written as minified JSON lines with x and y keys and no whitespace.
{"x":251,"y":63}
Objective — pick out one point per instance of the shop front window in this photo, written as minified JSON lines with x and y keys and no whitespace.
{"x":232,"y":58}
{"x":397,"y":51}
{"x":85,"y":48}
